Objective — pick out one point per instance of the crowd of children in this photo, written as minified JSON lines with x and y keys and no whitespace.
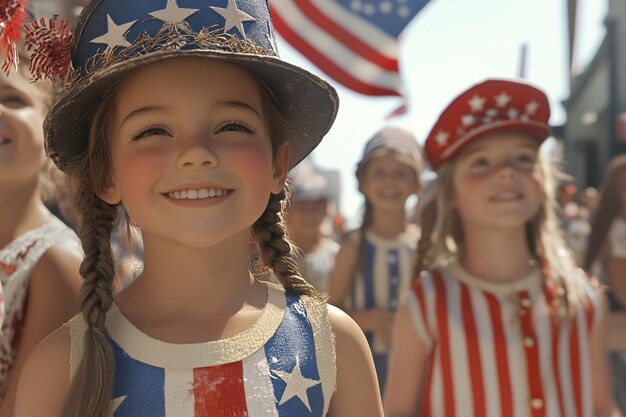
{"x":208,"y":282}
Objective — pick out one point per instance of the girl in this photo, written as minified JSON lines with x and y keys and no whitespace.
{"x":187,"y":118}
{"x":39,"y":255}
{"x":499,"y":321}
{"x":606,"y":256}
{"x":373,"y":266}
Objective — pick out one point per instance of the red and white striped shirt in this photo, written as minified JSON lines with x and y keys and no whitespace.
{"x":498,"y":350}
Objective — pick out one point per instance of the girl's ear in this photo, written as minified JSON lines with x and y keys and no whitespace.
{"x":110,"y":195}
{"x":281,"y":168}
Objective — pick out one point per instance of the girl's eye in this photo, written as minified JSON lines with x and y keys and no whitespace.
{"x":151,"y":131}
{"x":235,"y":127}
{"x":525,"y":159}
{"x":479,"y":163}
{"x":14,"y":101}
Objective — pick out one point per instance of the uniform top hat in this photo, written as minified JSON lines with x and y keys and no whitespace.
{"x":489,"y":107}
{"x":113,"y":37}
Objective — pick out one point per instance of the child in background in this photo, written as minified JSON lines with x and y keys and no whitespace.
{"x":187,"y":118}
{"x":39,"y":255}
{"x":499,"y":322}
{"x":606,"y":257}
{"x":374,"y":265}
{"x":306,"y":214}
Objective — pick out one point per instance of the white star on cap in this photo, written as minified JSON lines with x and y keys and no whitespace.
{"x":477,"y":103}
{"x":234,"y":17}
{"x":442,"y":138}
{"x":503,"y":99}
{"x":513,"y":113}
{"x":173,"y":13}
{"x":296,"y":385}
{"x":468,"y":119}
{"x":532,"y":107}
{"x":115,"y":34}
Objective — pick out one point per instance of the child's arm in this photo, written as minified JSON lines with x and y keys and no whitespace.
{"x":52,"y":293}
{"x":357,"y":392}
{"x":376,"y":320}
{"x":617,"y":279}
{"x":406,"y":367}
{"x":44,"y":380}
{"x":603,"y":403}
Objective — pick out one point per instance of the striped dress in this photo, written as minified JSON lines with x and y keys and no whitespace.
{"x":384,"y":281}
{"x":282,"y":366}
{"x":496,"y":349}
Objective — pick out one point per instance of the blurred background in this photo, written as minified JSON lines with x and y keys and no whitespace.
{"x":573,"y":49}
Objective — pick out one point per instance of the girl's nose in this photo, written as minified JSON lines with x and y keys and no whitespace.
{"x":506,"y":171}
{"x":196,"y":153}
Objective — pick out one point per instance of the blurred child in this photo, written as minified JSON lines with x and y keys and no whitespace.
{"x":606,"y":257}
{"x":186,"y":118}
{"x":500,"y":322}
{"x":306,"y":214}
{"x":39,"y":255}
{"x":374,"y":265}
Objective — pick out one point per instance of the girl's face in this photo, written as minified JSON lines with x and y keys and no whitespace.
{"x":192,"y":155}
{"x":388,"y":182}
{"x":22,"y":111}
{"x":497,"y":181}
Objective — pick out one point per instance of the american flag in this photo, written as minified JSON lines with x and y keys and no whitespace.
{"x":355,"y":42}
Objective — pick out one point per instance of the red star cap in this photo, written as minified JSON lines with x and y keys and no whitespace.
{"x":489,"y":107}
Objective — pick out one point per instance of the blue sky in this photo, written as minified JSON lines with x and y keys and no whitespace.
{"x":449,"y":46}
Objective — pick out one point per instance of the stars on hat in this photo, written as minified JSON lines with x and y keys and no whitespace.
{"x":468,"y":119}
{"x":531,"y":108}
{"x":234,"y":17}
{"x":477,"y":103}
{"x":296,"y":385}
{"x":115,"y":34}
{"x":513,"y":113}
{"x":503,"y":99}
{"x":173,"y":13}
{"x":442,"y":138}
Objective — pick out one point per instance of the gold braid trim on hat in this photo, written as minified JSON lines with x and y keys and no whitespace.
{"x":172,"y":36}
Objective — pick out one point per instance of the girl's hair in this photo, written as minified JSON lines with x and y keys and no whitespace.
{"x":91,"y":387}
{"x":442,"y":239}
{"x":609,"y":207}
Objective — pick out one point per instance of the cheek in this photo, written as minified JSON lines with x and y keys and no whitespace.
{"x":138,"y":171}
{"x":254,"y":163}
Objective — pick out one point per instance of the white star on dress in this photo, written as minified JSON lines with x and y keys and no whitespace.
{"x":234,"y":17}
{"x":173,"y":13}
{"x":296,"y":385}
{"x":442,"y":138}
{"x":115,"y":34}
{"x":114,"y":404}
{"x":503,"y":99}
{"x":477,"y":103}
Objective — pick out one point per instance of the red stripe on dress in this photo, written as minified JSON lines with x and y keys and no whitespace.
{"x":549,"y":291}
{"x":325,"y":64}
{"x":346,"y":38}
{"x":444,"y":342}
{"x":219,"y":391}
{"x":533,"y":365}
{"x":502,"y":359}
{"x":473,"y":353}
{"x":574,"y":358}
{"x":418,"y":290}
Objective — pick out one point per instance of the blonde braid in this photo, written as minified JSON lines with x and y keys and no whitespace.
{"x":424,"y":255}
{"x":276,"y":249}
{"x":92,"y":385}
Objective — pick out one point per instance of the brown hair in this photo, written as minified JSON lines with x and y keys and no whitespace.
{"x":609,"y":207}
{"x":442,"y":239}
{"x":91,"y":387}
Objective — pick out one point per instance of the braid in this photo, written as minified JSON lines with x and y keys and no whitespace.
{"x":359,"y":265}
{"x":91,"y":388}
{"x":423,"y":256}
{"x":276,"y":249}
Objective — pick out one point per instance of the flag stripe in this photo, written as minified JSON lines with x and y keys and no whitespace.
{"x":258,"y":386}
{"x":345,"y":37}
{"x":502,"y":360}
{"x":473,"y":353}
{"x":444,"y":341}
{"x":219,"y":391}
{"x":179,"y":398}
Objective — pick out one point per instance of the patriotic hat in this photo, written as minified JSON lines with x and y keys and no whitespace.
{"x":310,"y":187}
{"x":489,"y":107}
{"x":114,"y":37}
{"x":397,"y":140}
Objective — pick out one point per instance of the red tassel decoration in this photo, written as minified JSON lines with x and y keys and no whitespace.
{"x":50,"y":44}
{"x":12,"y":14}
